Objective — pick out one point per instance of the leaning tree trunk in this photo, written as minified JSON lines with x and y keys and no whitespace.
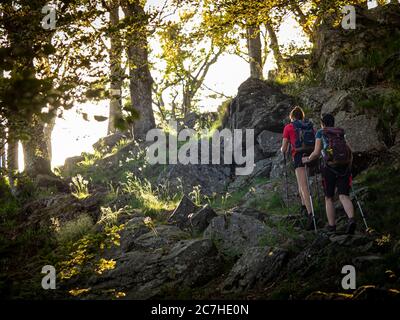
{"x":140,"y":78}
{"x":255,"y":53}
{"x":116,"y":72}
{"x":274,"y":45}
{"x":36,"y":153}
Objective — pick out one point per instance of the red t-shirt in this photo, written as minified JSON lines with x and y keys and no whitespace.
{"x":289,"y":133}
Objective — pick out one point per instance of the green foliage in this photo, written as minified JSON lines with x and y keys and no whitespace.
{"x":195,"y":195}
{"x":75,"y":229}
{"x":79,"y":187}
{"x":120,"y":144}
{"x":152,"y":200}
{"x":84,"y":256}
{"x":109,"y":217}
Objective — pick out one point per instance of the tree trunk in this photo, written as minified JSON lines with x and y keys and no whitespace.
{"x":12,"y":155}
{"x":48,"y":130}
{"x":116,"y":72}
{"x":255,"y":54}
{"x":3,"y":138}
{"x":274,"y":45}
{"x":36,"y":153}
{"x":3,"y":153}
{"x":140,"y":78}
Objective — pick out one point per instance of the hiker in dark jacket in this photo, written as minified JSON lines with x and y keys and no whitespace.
{"x":289,"y":138}
{"x":336,"y":169}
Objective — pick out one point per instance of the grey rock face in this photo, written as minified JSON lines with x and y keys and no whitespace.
{"x":259,"y":106}
{"x":257,"y":266}
{"x":144,"y":275}
{"x":339,"y":101}
{"x":361,"y":132}
{"x":180,"y":216}
{"x":235,"y":233}
{"x":200,"y":220}
{"x":270,"y":142}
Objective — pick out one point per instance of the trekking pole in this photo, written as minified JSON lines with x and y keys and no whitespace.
{"x":359,"y":207}
{"x":286,"y":183}
{"x":311,"y":200}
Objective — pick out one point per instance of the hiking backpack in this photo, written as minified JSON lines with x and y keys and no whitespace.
{"x":336,"y":153}
{"x":305,"y":136}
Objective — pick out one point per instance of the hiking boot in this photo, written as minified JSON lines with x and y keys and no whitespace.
{"x":310,"y":223}
{"x":351,"y":226}
{"x":331,"y":229}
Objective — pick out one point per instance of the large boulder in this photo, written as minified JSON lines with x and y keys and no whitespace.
{"x":341,"y":100}
{"x":234,"y":233}
{"x":259,"y":106}
{"x":361,"y":132}
{"x":269,"y":142}
{"x":181,"y":214}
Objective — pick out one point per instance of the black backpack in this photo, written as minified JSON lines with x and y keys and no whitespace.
{"x":337,"y":153}
{"x":305,"y":136}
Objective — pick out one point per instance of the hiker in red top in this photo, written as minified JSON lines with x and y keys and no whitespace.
{"x":300,"y":136}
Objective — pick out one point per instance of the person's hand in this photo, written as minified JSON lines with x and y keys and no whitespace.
{"x":305,"y":160}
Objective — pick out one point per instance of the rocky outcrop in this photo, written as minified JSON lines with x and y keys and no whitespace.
{"x":63,"y":207}
{"x":141,"y":274}
{"x":234,"y":233}
{"x":181,"y":214}
{"x":257,"y":267}
{"x":259,"y":106}
{"x":361,"y":132}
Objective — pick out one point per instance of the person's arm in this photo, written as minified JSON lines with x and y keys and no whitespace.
{"x":316,"y":153}
{"x":285,"y":145}
{"x":285,"y":140}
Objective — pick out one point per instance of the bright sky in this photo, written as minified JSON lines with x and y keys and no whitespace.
{"x":72,"y":135}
